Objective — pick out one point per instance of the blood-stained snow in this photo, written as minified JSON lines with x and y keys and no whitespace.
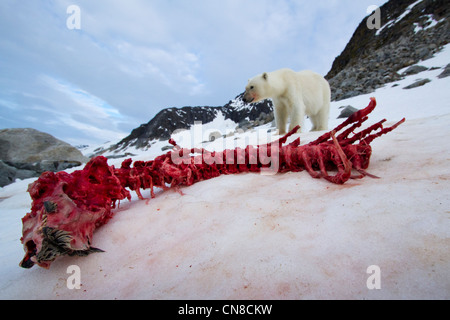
{"x":285,"y":236}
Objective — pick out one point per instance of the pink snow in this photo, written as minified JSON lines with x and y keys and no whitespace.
{"x":285,"y":236}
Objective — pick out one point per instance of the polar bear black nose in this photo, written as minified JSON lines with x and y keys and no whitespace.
{"x":247,"y":100}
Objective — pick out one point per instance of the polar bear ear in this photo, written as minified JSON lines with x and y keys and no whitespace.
{"x":265,"y":75}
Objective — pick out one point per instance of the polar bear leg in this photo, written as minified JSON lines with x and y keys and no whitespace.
{"x":320,"y":120}
{"x":281,"y":121}
{"x":297,"y":117}
{"x":281,"y":115}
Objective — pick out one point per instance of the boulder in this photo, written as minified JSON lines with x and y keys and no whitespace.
{"x":372,"y":59}
{"x":244,"y":125}
{"x":30,"y":145}
{"x":446,"y":72}
{"x":214,"y":135}
{"x":418,"y":83}
{"x":414,"y":70}
{"x":347,"y":112}
{"x":7,"y":174}
{"x":27,"y":153}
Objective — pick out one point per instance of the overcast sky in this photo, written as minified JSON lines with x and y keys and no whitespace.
{"x":130,"y":59}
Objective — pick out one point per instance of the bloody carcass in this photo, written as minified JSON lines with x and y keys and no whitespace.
{"x":67,"y":208}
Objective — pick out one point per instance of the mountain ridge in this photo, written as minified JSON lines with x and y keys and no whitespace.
{"x":171,"y":119}
{"x":410,"y":31}
{"x":371,"y":59}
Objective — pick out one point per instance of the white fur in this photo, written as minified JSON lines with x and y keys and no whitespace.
{"x":295,"y":95}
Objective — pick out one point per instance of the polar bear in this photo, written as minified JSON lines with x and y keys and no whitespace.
{"x":294,"y":95}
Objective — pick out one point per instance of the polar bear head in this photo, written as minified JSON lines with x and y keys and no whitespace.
{"x":258,"y":88}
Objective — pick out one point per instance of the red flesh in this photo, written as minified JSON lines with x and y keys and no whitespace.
{"x":67,"y":208}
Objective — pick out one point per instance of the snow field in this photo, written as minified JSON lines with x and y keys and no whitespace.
{"x":285,"y":236}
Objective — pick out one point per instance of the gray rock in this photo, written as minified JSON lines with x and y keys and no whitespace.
{"x":27,"y":153}
{"x":30,"y":145}
{"x":418,"y":83}
{"x":166,"y":148}
{"x":347,"y":112}
{"x":446,"y":72}
{"x":7,"y":174}
{"x":244,"y":125}
{"x":118,"y":156}
{"x":350,"y":94}
{"x":349,"y":82}
{"x":374,"y":60}
{"x":414,"y":70}
{"x":263,"y":119}
{"x":55,"y":166}
{"x":270,"y":117}
{"x":214,"y":135}
{"x":26,"y":174}
{"x":262,"y":116}
{"x":422,"y":52}
{"x":338,"y":91}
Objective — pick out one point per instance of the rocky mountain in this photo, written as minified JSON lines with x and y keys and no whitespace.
{"x":27,"y":153}
{"x":410,"y":31}
{"x":171,"y":119}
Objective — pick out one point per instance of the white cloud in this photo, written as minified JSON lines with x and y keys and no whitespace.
{"x":87,"y":113}
{"x":174,"y":67}
{"x":86,"y":103}
{"x":8,"y":104}
{"x":132,"y":58}
{"x":100,"y":134}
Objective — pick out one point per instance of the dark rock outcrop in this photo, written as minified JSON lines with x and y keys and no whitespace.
{"x":418,"y":83}
{"x":27,"y":153}
{"x":410,"y":31}
{"x":372,"y":58}
{"x":347,"y":112}
{"x":445,"y":73}
{"x":171,"y":119}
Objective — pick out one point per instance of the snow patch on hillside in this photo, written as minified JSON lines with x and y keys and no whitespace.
{"x":391,"y":23}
